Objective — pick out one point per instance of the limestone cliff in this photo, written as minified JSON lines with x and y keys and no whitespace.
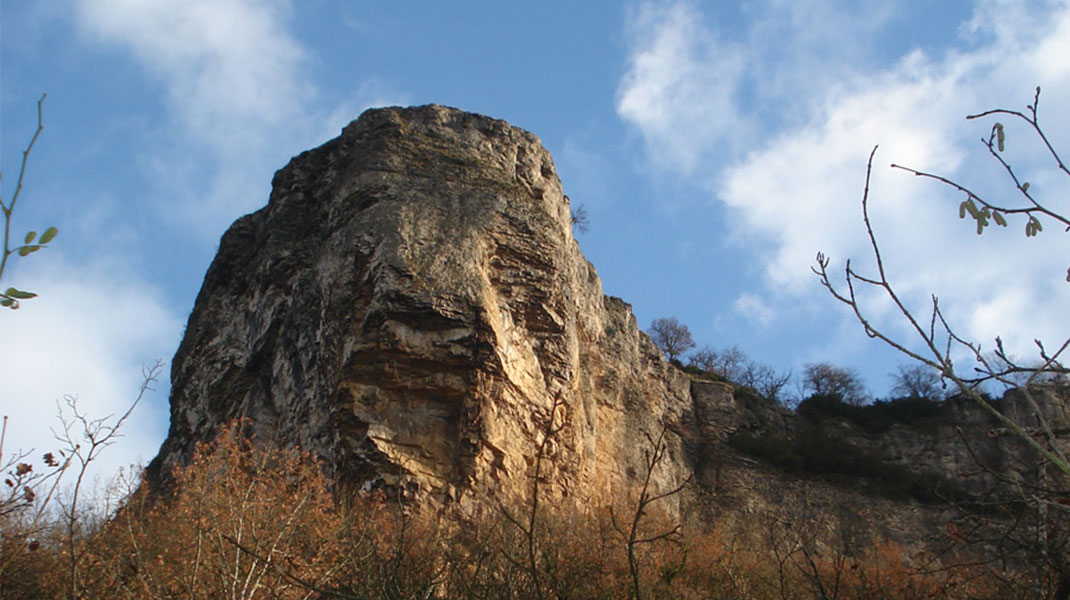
{"x":408,"y":306}
{"x":411,"y":303}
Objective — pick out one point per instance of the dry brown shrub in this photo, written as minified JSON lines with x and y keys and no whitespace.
{"x":32,"y":562}
{"x":243,"y":522}
{"x":248,"y":522}
{"x":392,"y":550}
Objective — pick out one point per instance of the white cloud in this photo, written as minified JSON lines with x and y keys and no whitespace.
{"x":235,"y":83}
{"x":754,"y":308}
{"x":802,"y":190}
{"x":798,"y":192}
{"x":88,"y":334}
{"x":680,"y":88}
{"x":229,"y":66}
{"x":234,"y":86}
{"x":699,"y":94}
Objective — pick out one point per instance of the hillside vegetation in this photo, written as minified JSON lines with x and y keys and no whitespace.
{"x":245,"y":522}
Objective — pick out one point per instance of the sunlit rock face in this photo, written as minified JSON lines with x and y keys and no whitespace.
{"x":411,"y":303}
{"x":408,"y":306}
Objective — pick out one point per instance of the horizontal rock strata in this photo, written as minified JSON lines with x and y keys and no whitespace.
{"x":409,"y":306}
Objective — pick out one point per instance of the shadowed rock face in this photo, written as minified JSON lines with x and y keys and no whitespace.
{"x":408,"y":306}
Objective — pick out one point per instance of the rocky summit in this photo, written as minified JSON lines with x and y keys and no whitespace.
{"x":410,"y":307}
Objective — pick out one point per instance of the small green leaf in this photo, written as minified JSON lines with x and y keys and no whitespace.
{"x":999,"y":219}
{"x":30,"y":236}
{"x":48,"y":235}
{"x":1025,"y":187}
{"x":28,"y":250}
{"x":6,"y":302}
{"x":19,"y":294}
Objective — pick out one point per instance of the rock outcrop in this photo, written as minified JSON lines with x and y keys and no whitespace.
{"x":412,"y":308}
{"x":409,"y":306}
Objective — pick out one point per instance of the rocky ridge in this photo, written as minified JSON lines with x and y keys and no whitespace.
{"x":411,"y":305}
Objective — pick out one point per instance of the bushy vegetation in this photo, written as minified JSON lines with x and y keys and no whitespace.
{"x":814,"y":451}
{"x":876,"y":417}
{"x":729,"y":365}
{"x":245,"y":522}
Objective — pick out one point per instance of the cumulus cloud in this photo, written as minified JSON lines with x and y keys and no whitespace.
{"x":799,"y":191}
{"x":88,"y":335}
{"x":234,"y":89}
{"x":680,"y":88}
{"x":229,"y":67}
{"x":697,"y":92}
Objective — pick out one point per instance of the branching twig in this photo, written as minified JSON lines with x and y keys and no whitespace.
{"x":98,"y":435}
{"x":653,"y":457}
{"x":10,"y":297}
{"x":940,"y":351}
{"x":940,"y":341}
{"x":995,"y":145}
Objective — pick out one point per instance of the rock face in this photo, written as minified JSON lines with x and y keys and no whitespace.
{"x":409,"y":306}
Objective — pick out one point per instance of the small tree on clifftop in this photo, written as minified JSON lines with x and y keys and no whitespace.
{"x":735,"y":366}
{"x":823,"y":379}
{"x":916,"y":381}
{"x":671,"y":336}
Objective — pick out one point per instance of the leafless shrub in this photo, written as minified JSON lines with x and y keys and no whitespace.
{"x":733,"y":365}
{"x":823,"y":379}
{"x":672,"y":337}
{"x":916,"y":381}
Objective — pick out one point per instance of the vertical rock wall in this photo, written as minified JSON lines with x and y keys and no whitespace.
{"x":408,"y":306}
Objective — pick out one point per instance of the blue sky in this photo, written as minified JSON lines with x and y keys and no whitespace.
{"x":716,"y":146}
